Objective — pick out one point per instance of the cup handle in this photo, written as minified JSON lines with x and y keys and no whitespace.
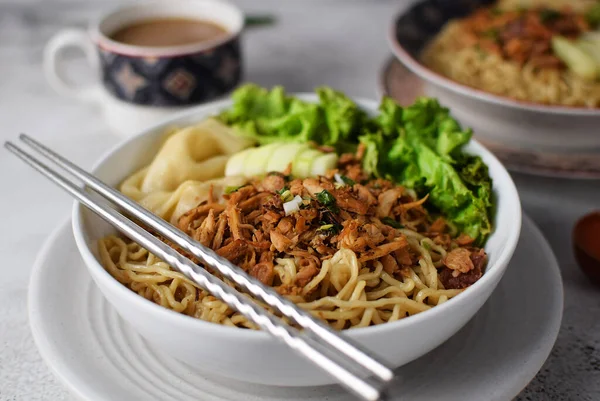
{"x":53,"y":64}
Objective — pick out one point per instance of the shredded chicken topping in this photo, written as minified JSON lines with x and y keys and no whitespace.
{"x":250,"y":227}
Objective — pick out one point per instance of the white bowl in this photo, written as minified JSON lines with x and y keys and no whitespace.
{"x":254,"y":356}
{"x":513,"y":123}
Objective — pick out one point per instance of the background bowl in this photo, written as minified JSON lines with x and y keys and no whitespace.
{"x":254,"y":356}
{"x":494,"y":118}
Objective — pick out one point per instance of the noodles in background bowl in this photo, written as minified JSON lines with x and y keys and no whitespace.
{"x":454,"y":54}
{"x":575,"y":5}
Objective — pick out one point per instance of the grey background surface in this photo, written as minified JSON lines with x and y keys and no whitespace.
{"x":340,"y":43}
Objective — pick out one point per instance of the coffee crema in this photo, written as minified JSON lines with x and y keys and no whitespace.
{"x":165,"y":32}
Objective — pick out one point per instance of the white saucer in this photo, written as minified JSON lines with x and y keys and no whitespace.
{"x":99,"y":357}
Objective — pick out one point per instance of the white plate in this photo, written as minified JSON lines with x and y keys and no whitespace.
{"x":99,"y":357}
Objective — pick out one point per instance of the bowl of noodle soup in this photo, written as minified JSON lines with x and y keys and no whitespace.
{"x":505,"y":102}
{"x":214,"y":340}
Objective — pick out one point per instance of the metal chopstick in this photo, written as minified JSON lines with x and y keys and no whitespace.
{"x":321,"y":355}
{"x":245,"y":281}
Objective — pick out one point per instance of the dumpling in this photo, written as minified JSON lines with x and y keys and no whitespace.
{"x":197,"y":153}
{"x":190,"y":161}
{"x":170,"y":205}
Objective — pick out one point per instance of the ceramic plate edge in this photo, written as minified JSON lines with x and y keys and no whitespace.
{"x":557,"y":319}
{"x":42,"y":344}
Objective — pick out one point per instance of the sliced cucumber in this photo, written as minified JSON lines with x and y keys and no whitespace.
{"x":256,"y":162}
{"x":578,"y":61}
{"x":323,"y":164}
{"x":235,"y":164}
{"x":592,"y":48}
{"x":593,"y":36}
{"x":304,"y":161}
{"x":285,"y":155}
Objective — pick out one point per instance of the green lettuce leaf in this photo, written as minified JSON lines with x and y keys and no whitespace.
{"x":434,"y":125}
{"x":343,"y":117}
{"x":427,"y":156}
{"x":420,"y":146}
{"x":251,"y":102}
{"x":272,"y":116}
{"x":474,"y":173}
{"x":373,"y":148}
{"x":389,"y":118}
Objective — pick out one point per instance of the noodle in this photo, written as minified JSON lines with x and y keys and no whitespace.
{"x":454,"y":54}
{"x":362,"y":297}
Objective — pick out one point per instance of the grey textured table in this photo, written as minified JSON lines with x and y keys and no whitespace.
{"x":339,"y":43}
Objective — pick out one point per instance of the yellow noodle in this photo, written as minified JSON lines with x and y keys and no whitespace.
{"x":491,"y":73}
{"x":345,"y":292}
{"x":361,"y":296}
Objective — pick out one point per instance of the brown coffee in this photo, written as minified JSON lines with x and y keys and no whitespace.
{"x":165,"y":32}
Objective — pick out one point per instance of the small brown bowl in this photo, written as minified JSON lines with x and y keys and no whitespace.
{"x":586,"y":245}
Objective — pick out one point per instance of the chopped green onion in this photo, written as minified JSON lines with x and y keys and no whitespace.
{"x":328,"y":219}
{"x":326,"y":199}
{"x":343,"y":180}
{"x":348,"y":180}
{"x":292,"y":205}
{"x":329,"y":228}
{"x":232,"y":189}
{"x":325,"y":227}
{"x":285,"y":194}
{"x":391,"y":222}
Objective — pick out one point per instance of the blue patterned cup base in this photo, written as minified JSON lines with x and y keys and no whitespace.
{"x":180,"y":80}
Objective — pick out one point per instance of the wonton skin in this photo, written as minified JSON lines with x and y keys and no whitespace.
{"x":191,"y":161}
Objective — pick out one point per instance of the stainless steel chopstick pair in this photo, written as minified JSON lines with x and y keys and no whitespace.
{"x":352,"y":366}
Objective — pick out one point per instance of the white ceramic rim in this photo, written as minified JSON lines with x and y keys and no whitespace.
{"x":39,"y":337}
{"x":434,"y":78}
{"x":219,"y":11}
{"x":255,"y":335}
